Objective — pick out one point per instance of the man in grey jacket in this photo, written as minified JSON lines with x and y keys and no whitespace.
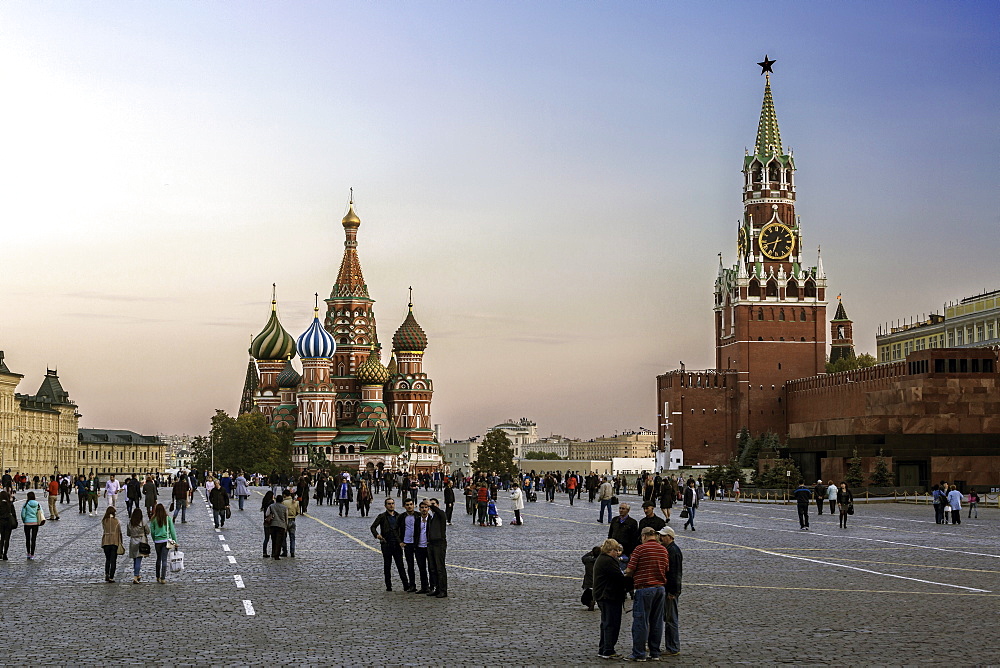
{"x":278,"y":512}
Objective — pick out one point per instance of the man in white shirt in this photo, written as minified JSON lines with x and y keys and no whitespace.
{"x":111,"y":489}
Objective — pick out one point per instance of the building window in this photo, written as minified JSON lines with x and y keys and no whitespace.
{"x":760,"y":314}
{"x":959,"y":337}
{"x":802,"y":315}
{"x":781,"y":315}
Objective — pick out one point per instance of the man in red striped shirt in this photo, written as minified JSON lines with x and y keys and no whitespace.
{"x":648,"y":567}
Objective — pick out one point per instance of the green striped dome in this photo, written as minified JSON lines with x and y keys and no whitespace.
{"x":273,"y":343}
{"x":410,"y":335}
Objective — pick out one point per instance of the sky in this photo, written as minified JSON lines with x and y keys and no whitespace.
{"x":555,"y":180}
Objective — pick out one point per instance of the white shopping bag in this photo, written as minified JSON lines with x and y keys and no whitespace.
{"x":499,"y":521}
{"x":176,"y":561}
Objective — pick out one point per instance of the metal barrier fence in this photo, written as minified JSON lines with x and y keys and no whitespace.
{"x":915,"y":497}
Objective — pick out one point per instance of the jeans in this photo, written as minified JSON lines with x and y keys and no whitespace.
{"x":611,"y":624}
{"x":345,"y":507}
{"x":110,"y":560}
{"x":82,"y":500}
{"x":30,"y":536}
{"x":647,"y":621}
{"x":803,"y":509}
{"x":5,"y":539}
{"x":833,"y":505}
{"x":690,"y":519}
{"x":92,"y":501}
{"x":956,"y":516}
{"x":392,"y":552}
{"x":974,"y":508}
{"x":136,"y":566}
{"x":449,"y":508}
{"x":180,"y":506}
{"x":243,"y":498}
{"x":671,"y":617}
{"x":939,"y":513}
{"x":161,"y":560}
{"x":481,"y":507}
{"x":605,"y":503}
{"x":129,"y":505}
{"x":219,"y":517}
{"x":267,"y":538}
{"x":290,"y":534}
{"x":572,"y":495}
{"x":550,"y":493}
{"x":277,"y":541}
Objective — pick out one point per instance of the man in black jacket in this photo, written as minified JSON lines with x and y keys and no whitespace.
{"x":449,"y":500}
{"x":133,"y":494}
{"x":409,"y":529}
{"x":384,"y":530}
{"x":802,"y":497}
{"x":624,"y":529}
{"x":437,"y":547}
{"x":610,"y":585}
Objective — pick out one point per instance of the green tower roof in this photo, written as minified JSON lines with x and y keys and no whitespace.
{"x":768,"y":135}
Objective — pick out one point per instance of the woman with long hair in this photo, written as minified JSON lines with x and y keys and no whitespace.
{"x":264,"y":505}
{"x":7,"y":522}
{"x":161,"y":528}
{"x":364,"y":499}
{"x":111,"y":543}
{"x":138,"y":532}
{"x":32,"y":517}
{"x":844,"y":501}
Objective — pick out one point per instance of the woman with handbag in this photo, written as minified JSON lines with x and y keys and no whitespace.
{"x":264,"y":505}
{"x":161,"y":528}
{"x":690,"y":503}
{"x":32,"y":517}
{"x":8,"y":522}
{"x":111,"y":543}
{"x":845,"y":502}
{"x":138,"y":542}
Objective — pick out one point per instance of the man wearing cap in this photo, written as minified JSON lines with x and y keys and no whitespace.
{"x":802,"y":497}
{"x":671,"y":615}
{"x":819,"y":493}
{"x":650,"y":519}
{"x":648,"y":566}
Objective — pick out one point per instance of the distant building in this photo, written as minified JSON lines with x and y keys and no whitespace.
{"x":117,"y":451}
{"x":634,"y":444}
{"x":37,"y":431}
{"x":553,"y":445}
{"x":970,"y":322}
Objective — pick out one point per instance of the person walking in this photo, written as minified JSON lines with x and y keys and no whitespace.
{"x":955,"y":503}
{"x":133,"y":494}
{"x":845,"y":502}
{"x":364,"y":499}
{"x":819,"y":493}
{"x":831,"y":496}
{"x":111,"y":489}
{"x":690,"y":503}
{"x":111,"y":543}
{"x":668,"y":494}
{"x":93,"y":491}
{"x":179,"y":496}
{"x":973,"y":504}
{"x":604,"y":494}
{"x":8,"y":522}
{"x":138,"y":542}
{"x":609,"y":594}
{"x":449,"y":499}
{"x":648,"y":566}
{"x":345,"y":495}
{"x":294,"y":510}
{"x":264,"y":505}
{"x":243,"y":490}
{"x":384,"y":530}
{"x":53,"y":495}
{"x":32,"y":517}
{"x":219,"y":500}
{"x":437,"y":549}
{"x":81,"y":492}
{"x":278,"y":514}
{"x":802,"y":497}
{"x":302,"y":492}
{"x":149,"y":494}
{"x":161,"y":529}
{"x":671,"y":614}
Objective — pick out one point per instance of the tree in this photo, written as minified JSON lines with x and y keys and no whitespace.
{"x":541,"y":455}
{"x":244,"y":443}
{"x":851,"y":363}
{"x":495,"y":454}
{"x":743,"y":445}
{"x":882,"y":474}
{"x":734,"y":472}
{"x":767,"y":443}
{"x":775,"y":474}
{"x":855,"y":474}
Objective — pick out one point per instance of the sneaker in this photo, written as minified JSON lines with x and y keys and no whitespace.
{"x":635,"y":659}
{"x":673,"y":653}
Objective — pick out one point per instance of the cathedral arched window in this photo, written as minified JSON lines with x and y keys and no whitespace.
{"x":343,"y":450}
{"x":329,"y":450}
{"x":343,"y":340}
{"x":810,"y":289}
{"x":760,"y":314}
{"x":792,"y":289}
{"x":781,"y":315}
{"x":350,"y":449}
{"x":772,"y":288}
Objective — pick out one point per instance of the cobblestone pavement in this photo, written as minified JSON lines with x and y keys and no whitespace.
{"x":892,"y":589}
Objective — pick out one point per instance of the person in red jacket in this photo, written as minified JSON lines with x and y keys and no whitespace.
{"x":571,"y":487}
{"x":53,"y":490}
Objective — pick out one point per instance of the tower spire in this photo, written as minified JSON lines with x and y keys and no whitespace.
{"x":768,"y":141}
{"x":350,"y":280}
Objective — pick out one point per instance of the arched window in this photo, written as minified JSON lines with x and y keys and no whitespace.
{"x":802,"y":315}
{"x":329,"y":450}
{"x":810,"y":289}
{"x":772,"y":288}
{"x":781,"y":315}
{"x":792,"y":289}
{"x":773,"y":173}
{"x":350,"y":449}
{"x":760,"y":314}
{"x":760,"y":338}
{"x":802,"y":339}
{"x":343,"y":450}
{"x":757,"y":173}
{"x":343,"y":340}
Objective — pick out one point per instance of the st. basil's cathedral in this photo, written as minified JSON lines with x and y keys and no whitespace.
{"x":345,"y":404}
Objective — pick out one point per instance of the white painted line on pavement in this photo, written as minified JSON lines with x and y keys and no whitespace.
{"x":248,"y":606}
{"x":239,"y":581}
{"x":221,"y":537}
{"x":232,"y":559}
{"x":225,"y":548}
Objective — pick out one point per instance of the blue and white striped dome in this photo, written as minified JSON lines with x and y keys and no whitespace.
{"x":316,"y":342}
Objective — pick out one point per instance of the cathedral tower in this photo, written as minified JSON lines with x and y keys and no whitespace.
{"x":841,"y":334}
{"x":271,"y":348}
{"x":317,"y":392}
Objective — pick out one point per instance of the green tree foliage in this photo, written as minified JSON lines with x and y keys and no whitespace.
{"x":773,"y":474}
{"x":753,"y":448}
{"x":855,"y":474}
{"x":882,"y":474}
{"x":734,"y":472}
{"x":851,"y":363}
{"x":244,"y":443}
{"x":495,"y":454}
{"x":541,"y":455}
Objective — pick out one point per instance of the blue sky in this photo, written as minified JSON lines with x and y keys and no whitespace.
{"x":554,"y":179}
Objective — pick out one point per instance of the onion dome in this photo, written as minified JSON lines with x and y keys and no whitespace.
{"x":289,"y":377}
{"x":410,"y":336}
{"x":273,"y":343}
{"x":371,"y":372}
{"x":351,"y":219}
{"x":316,"y":342}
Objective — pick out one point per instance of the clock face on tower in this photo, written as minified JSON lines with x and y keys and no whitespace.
{"x":776,"y":241}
